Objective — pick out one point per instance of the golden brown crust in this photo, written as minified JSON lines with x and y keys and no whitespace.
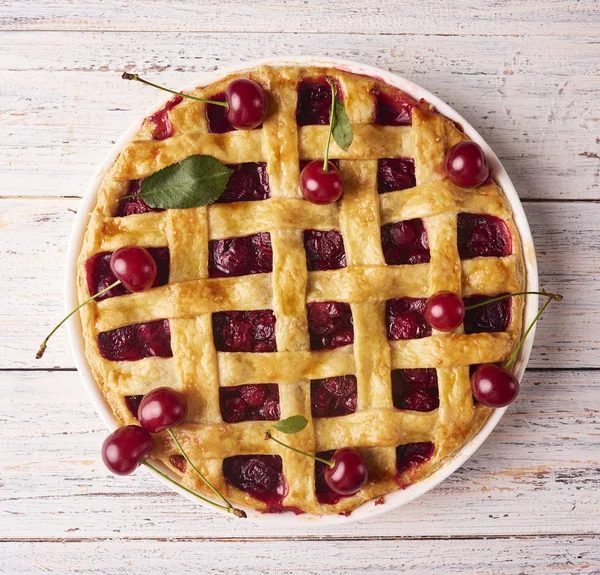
{"x":366,"y":283}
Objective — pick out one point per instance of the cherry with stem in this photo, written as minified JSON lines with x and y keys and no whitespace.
{"x":246,"y":103}
{"x":133,"y":266}
{"x":346,"y":471}
{"x":496,"y":386}
{"x":322,"y":183}
{"x":445,"y":310}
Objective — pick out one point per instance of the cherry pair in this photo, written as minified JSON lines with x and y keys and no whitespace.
{"x":128,"y":447}
{"x":492,"y":385}
{"x":125,"y":449}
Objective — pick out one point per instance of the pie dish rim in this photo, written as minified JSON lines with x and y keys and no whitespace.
{"x":394,"y":499}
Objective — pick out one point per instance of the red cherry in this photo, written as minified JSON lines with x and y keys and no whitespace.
{"x":444,"y":311}
{"x":349,"y":473}
{"x":162,"y":409}
{"x":321,"y":187}
{"x":125,"y":448}
{"x":494,"y":386}
{"x":247,"y":104}
{"x":466,"y":165}
{"x":135,"y":267}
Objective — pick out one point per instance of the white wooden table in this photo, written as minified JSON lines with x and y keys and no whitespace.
{"x":524,"y":73}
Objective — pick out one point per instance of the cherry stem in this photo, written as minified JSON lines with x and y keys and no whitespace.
{"x":128,"y":76}
{"x":331,"y":119}
{"x":511,"y":360}
{"x":554,"y":296}
{"x":230,"y":509}
{"x":325,"y":461}
{"x":42,"y":349}
{"x":206,"y":481}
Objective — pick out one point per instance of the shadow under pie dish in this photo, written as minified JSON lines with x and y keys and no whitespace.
{"x":267,"y":306}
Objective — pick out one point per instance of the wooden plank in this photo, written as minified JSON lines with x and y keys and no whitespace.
{"x":552,"y":17}
{"x":537,"y":474}
{"x":533,"y":99}
{"x":510,"y":556}
{"x":33,"y":240}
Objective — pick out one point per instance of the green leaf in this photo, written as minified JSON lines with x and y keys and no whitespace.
{"x":292,"y":424}
{"x":342,"y":129}
{"x":195,"y":181}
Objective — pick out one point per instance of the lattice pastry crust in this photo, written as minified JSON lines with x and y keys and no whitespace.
{"x":366,"y":283}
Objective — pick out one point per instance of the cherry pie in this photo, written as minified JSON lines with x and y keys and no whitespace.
{"x":267,"y":306}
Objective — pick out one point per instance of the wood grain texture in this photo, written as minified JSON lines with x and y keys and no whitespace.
{"x":514,"y":556}
{"x":497,"y":17}
{"x":537,"y":474}
{"x":533,"y":99}
{"x":33,"y":240}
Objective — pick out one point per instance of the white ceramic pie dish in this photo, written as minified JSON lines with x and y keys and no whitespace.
{"x":397,"y":498}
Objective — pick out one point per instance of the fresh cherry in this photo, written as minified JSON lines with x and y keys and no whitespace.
{"x":466,"y":165}
{"x":319,"y":186}
{"x":349,"y":472}
{"x":246,"y":101}
{"x":444,"y":311}
{"x":125,"y":449}
{"x":345,"y":472}
{"x":162,"y":409}
{"x":135,"y":267}
{"x":494,"y":386}
{"x":247,"y":104}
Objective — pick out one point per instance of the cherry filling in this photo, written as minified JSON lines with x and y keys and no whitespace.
{"x":392,"y":110}
{"x":99,"y":275}
{"x":250,"y":331}
{"x":260,"y":476}
{"x":136,"y":341}
{"x":329,"y":325}
{"x":135,"y":205}
{"x":314,"y":101}
{"x":394,"y":174}
{"x":249,"y":403}
{"x":162,"y":126}
{"x":133,"y":402}
{"x":249,"y":182}
{"x":487,"y":318}
{"x":333,"y":396}
{"x":482,"y":235}
{"x":240,"y":256}
{"x":324,"y":250}
{"x":415,"y":389}
{"x":217,"y":115}
{"x":325,"y":495}
{"x":178,"y":461}
{"x":405,"y":243}
{"x":405,"y":318}
{"x":412,"y":454}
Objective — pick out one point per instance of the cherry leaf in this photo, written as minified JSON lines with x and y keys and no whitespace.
{"x":292,"y":424}
{"x":342,"y":129}
{"x":196,"y":181}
